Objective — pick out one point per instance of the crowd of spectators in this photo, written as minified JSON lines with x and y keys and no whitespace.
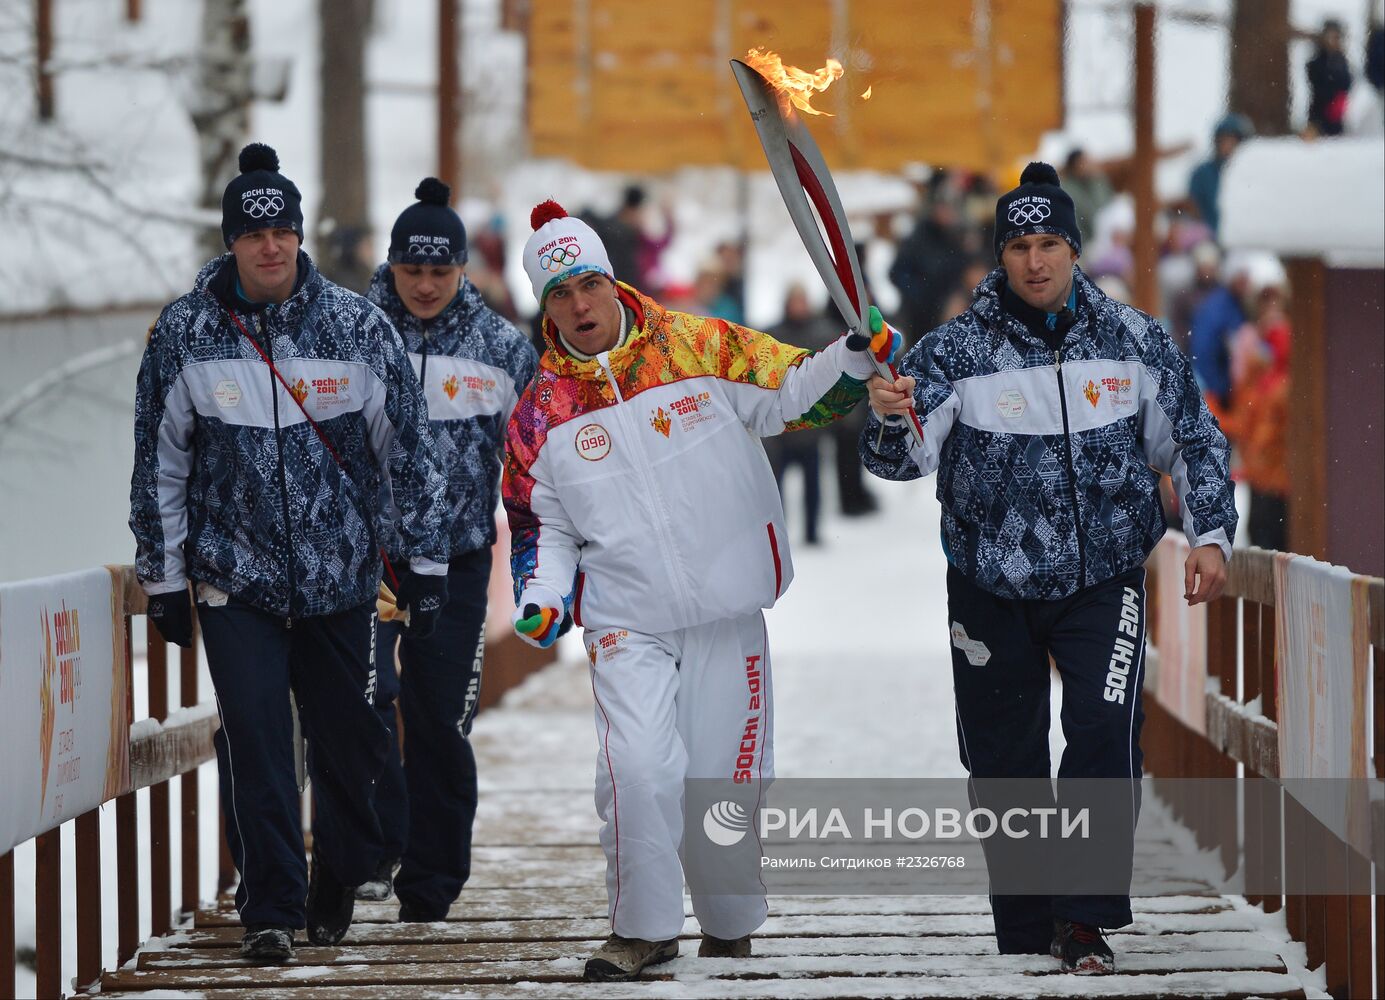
{"x":1229,"y":312}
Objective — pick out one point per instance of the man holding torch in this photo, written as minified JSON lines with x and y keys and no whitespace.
{"x":643,"y":509}
{"x":1046,"y":409}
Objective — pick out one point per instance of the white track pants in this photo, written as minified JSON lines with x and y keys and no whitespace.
{"x":668,"y":707}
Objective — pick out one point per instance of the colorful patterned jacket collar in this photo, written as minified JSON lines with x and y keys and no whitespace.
{"x":648,"y":314}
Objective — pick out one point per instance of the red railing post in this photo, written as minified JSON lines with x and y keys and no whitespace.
{"x":126,"y":877}
{"x":48,"y":915}
{"x":1273,"y":816}
{"x":127,"y":836}
{"x":160,"y":866}
{"x":1378,"y":711}
{"x":191,"y":874}
{"x":88,"y":846}
{"x":7,"y":925}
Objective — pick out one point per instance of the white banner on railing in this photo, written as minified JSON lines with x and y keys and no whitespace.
{"x":1323,"y":652}
{"x":62,"y":700}
{"x":1181,"y":631}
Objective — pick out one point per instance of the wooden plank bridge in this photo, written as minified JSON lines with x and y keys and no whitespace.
{"x":536,"y":907}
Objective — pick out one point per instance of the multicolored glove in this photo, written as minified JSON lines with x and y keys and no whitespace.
{"x":887,"y":343}
{"x":540,"y":617}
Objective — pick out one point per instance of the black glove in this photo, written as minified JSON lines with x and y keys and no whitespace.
{"x":171,"y":614}
{"x":423,"y":597}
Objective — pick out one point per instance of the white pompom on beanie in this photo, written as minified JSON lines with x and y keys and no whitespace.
{"x":560,"y":247}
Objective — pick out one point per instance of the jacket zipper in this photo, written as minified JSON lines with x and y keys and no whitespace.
{"x":665,"y":531}
{"x":423,"y":365}
{"x":1072,"y":476}
{"x":291,"y":568}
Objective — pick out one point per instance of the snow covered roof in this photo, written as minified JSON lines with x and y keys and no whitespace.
{"x":1307,"y":199}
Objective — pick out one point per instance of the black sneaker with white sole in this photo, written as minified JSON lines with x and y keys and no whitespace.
{"x":330,"y":906}
{"x":268,"y":944}
{"x":1082,"y":949}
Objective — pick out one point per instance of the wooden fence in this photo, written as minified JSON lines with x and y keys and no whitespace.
{"x":161,"y":751}
{"x":1277,"y":843}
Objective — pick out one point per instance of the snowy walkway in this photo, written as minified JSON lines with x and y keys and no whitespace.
{"x":859,"y":693}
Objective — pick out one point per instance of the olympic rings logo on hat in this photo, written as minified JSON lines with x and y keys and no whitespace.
{"x":429,"y":250}
{"x":563,"y":256}
{"x":1029,"y":214}
{"x":265,"y":206}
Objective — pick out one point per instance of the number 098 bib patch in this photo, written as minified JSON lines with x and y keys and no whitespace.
{"x":593,"y":442}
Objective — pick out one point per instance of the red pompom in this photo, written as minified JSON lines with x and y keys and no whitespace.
{"x":546,"y":211}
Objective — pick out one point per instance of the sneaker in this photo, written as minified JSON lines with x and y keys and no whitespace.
{"x":268,"y":944}
{"x":715,"y":947}
{"x":1082,"y":949}
{"x":621,"y":958}
{"x":413,"y":913}
{"x":381,"y":887}
{"x":330,"y":905}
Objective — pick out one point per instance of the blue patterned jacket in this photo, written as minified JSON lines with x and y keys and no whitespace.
{"x":1046,"y":459}
{"x":233,"y":487}
{"x":473,"y":364}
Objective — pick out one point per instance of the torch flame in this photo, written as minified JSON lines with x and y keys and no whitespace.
{"x":795,"y":85}
{"x":866,"y":95}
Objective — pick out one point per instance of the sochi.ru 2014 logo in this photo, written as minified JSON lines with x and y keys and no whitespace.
{"x":725,"y":823}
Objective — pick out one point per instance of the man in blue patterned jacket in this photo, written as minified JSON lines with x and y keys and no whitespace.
{"x":472,"y":365}
{"x":271,"y":410}
{"x":1046,"y":409}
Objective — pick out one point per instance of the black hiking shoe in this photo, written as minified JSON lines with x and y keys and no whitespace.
{"x":1082,"y":949}
{"x":330,"y":905}
{"x":267,"y":944}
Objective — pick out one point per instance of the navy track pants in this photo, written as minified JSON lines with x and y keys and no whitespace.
{"x":329,"y":663}
{"x":1000,"y":670}
{"x":427,"y":805}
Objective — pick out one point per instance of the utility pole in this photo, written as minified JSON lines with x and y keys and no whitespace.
{"x":1146,"y":251}
{"x":344,"y":220}
{"x":1259,"y":87}
{"x":449,"y":93}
